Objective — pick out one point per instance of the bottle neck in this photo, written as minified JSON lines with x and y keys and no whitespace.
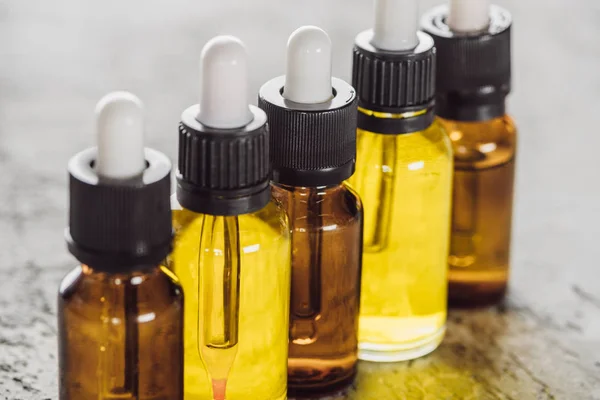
{"x":465,"y":107}
{"x":223,"y":202}
{"x":298,"y":198}
{"x":310,"y":189}
{"x":317,"y":178}
{"x":396,"y":123}
{"x":120,"y":273}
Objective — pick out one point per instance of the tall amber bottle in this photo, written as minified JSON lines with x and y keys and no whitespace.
{"x":120,"y":314}
{"x":232,"y":246}
{"x":473,"y":80}
{"x":404,"y":177}
{"x":313,"y":145}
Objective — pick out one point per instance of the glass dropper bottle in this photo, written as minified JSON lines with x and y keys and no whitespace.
{"x":313,"y":143}
{"x":473,"y":81}
{"x":232,"y":246}
{"x":120,"y":314}
{"x":404,"y":177}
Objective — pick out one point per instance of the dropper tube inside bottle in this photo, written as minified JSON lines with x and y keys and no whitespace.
{"x":232,"y":247}
{"x":119,"y":302}
{"x":312,"y":122}
{"x":404,"y":171}
{"x":219,"y":287}
{"x":308,"y":81}
{"x":473,"y":80}
{"x":394,"y":30}
{"x":466,"y":16}
{"x":223,"y":105}
{"x":120,"y":157}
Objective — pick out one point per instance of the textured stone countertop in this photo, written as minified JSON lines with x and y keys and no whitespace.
{"x":57,"y":58}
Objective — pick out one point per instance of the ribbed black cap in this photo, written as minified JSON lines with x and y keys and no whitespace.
{"x":119,"y":226}
{"x":223,"y":171}
{"x":474,"y":69}
{"x":311,"y":144}
{"x":394,"y":82}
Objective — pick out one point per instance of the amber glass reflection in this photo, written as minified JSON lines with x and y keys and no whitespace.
{"x":326,"y":264}
{"x":120,"y":335}
{"x":479,"y":259}
{"x":326,"y":227}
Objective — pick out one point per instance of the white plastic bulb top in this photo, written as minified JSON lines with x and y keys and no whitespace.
{"x":396,"y":25}
{"x":224,"y":84}
{"x":120,"y":136}
{"x":308,"y":66}
{"x":469,"y":15}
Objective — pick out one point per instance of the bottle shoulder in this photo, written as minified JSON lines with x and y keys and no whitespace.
{"x":159,"y":286}
{"x":70,"y":282}
{"x":431,"y":144}
{"x":273,"y":212}
{"x":268,"y":223}
{"x":338,"y":205}
{"x":482,"y":144}
{"x":437,"y":134}
{"x":353,"y":203}
{"x":352,"y":196}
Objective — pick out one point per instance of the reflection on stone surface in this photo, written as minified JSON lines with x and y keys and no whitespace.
{"x":473,"y":363}
{"x":452,"y":372}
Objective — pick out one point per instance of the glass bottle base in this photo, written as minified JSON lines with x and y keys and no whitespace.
{"x":331,"y":384}
{"x":471,"y":289}
{"x":377,"y":352}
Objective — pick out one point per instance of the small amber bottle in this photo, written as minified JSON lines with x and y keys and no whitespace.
{"x":404,"y":177}
{"x":312,"y":119}
{"x":232,"y":245}
{"x":120,"y":314}
{"x":473,"y":80}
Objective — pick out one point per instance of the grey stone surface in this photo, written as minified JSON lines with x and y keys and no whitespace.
{"x":57,"y":58}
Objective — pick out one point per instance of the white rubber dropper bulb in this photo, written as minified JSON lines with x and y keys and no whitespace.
{"x":308,"y":67}
{"x":395,"y":25}
{"x":120,"y":136}
{"x":469,"y":15}
{"x":224,"y":84}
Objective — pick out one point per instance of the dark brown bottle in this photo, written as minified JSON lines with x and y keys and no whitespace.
{"x":484,"y":159}
{"x":325,"y":283}
{"x":120,"y":335}
{"x":120,"y":314}
{"x":473,"y":80}
{"x":312,"y":123}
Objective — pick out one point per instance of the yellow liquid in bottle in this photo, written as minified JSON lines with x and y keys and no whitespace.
{"x":405,"y":182}
{"x":235,"y":333}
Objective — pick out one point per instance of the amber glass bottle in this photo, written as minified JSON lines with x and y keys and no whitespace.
{"x":473,"y":80}
{"x":312,"y":119}
{"x":325,"y":284}
{"x":484,"y":154}
{"x":120,"y":314}
{"x":120,"y":335}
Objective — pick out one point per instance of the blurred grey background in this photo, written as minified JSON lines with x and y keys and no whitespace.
{"x":57,"y":58}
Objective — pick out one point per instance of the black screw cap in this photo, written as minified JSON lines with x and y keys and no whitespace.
{"x":474,"y":69}
{"x":119,"y":226}
{"x":223,"y":171}
{"x":311,"y":144}
{"x":394,"y":82}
